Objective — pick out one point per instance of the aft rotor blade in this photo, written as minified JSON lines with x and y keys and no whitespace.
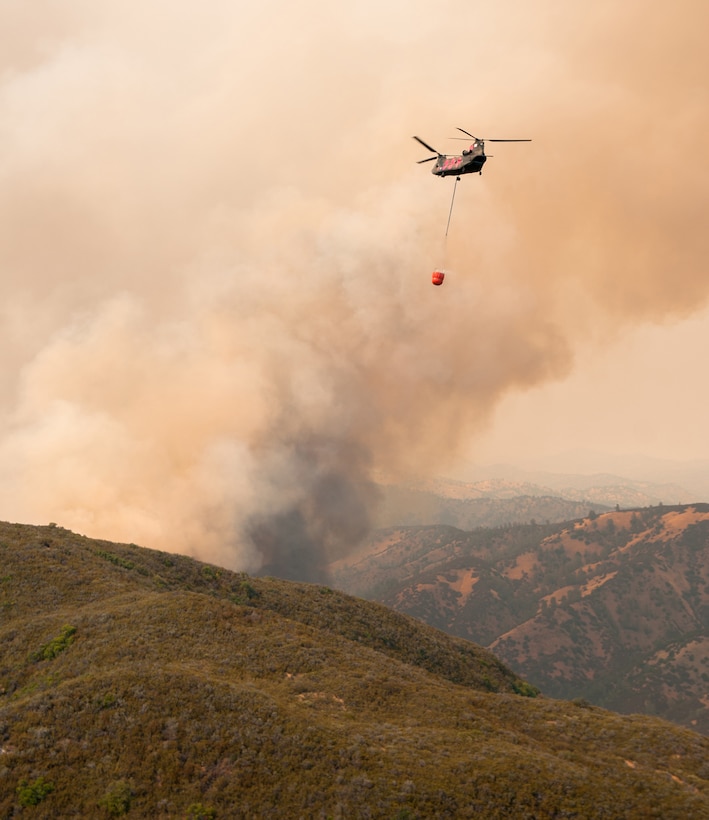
{"x":487,"y":140}
{"x":426,"y":145}
{"x":430,"y":159}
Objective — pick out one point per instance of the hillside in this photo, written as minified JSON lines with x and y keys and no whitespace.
{"x":613,"y":608}
{"x":145,"y":684}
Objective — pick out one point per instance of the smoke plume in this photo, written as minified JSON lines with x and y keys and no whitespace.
{"x":216,"y":246}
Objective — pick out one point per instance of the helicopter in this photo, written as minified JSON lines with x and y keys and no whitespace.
{"x":471,"y":161}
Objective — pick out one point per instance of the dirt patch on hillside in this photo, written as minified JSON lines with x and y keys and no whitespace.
{"x":523,"y":565}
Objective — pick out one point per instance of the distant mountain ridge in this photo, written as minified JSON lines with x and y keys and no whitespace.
{"x":408,"y":507}
{"x":517,"y":497}
{"x":574,"y":469}
{"x":613,"y":607}
{"x":610,"y":489}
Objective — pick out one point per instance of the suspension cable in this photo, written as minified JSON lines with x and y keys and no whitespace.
{"x":457,"y":179}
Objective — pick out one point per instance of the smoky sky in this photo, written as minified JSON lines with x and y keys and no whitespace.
{"x":218,"y":326}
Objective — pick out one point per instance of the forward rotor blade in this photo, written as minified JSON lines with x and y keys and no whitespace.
{"x":426,"y":145}
{"x":508,"y":140}
{"x":468,"y":133}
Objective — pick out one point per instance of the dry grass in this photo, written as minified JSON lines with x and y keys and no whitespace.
{"x":138,"y":683}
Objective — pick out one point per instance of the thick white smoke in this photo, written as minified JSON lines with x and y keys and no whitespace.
{"x":216,"y":247}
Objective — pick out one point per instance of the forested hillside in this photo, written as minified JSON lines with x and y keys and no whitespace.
{"x":612,"y":607}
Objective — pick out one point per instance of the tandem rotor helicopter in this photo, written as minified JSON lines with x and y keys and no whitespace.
{"x":471,"y":161}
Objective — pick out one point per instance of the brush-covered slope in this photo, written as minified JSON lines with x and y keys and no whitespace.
{"x":613,"y":608}
{"x":138,"y":683}
{"x":631,"y":628}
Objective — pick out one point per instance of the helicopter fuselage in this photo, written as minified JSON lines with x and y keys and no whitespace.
{"x":471,"y":161}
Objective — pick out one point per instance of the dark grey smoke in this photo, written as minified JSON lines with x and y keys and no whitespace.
{"x":330,"y":517}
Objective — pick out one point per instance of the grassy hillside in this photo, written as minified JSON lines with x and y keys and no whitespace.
{"x":613,"y":608}
{"x":143,"y":684}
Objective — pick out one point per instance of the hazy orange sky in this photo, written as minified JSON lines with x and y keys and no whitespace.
{"x":216,"y":249}
{"x":644,"y":395}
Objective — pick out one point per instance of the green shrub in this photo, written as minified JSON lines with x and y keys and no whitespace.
{"x":521,"y":687}
{"x":117,"y":799}
{"x":245,"y":592}
{"x":56,"y":645}
{"x":31,"y":794}
{"x":199,"y":812}
{"x":115,"y":559}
